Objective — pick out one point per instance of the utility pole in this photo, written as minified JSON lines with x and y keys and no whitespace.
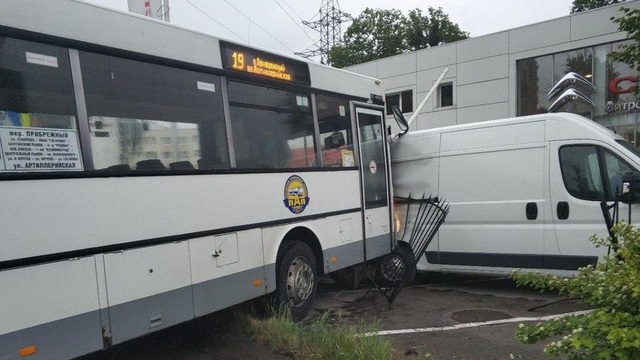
{"x":329,"y":25}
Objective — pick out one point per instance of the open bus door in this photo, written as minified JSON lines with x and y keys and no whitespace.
{"x":374,"y":165}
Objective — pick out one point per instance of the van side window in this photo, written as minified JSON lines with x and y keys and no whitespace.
{"x":615,"y":169}
{"x":590,"y":172}
{"x":581,"y":172}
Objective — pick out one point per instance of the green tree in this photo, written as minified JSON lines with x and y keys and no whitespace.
{"x":374,"y":34}
{"x":584,"y":5}
{"x":629,"y":23}
{"x":377,"y":33}
{"x":423,"y":31}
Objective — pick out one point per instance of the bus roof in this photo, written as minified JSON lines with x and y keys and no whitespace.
{"x":93,"y":24}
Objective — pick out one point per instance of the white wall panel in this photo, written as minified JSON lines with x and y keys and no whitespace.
{"x":397,"y":65}
{"x":540,"y":35}
{"x":483,"y":46}
{"x":482,"y":93}
{"x":400,"y":82}
{"x":486,"y":69}
{"x":483,"y":112}
{"x":437,"y":56}
{"x":589,"y":23}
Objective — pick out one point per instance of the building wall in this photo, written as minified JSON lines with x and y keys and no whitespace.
{"x":483,"y":69}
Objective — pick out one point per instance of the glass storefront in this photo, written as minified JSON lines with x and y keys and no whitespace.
{"x":616,"y":104}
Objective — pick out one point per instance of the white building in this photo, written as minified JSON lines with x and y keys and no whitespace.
{"x":511,"y":73}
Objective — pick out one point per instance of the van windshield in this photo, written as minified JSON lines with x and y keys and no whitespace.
{"x":627,"y":145}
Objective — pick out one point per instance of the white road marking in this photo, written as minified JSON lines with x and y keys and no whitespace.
{"x":476,"y":324}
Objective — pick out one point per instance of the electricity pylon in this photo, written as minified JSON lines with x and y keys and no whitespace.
{"x":329,"y":25}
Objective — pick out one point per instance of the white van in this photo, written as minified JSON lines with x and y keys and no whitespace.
{"x":524,"y":192}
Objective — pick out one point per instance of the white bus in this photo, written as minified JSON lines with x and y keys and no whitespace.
{"x":150,"y":174}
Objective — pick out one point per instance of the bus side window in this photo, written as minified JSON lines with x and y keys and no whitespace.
{"x":36,"y":93}
{"x":152,"y":117}
{"x":335,"y":131}
{"x":272,"y":128}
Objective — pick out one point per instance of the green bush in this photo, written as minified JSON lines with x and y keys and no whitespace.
{"x":612,"y":288}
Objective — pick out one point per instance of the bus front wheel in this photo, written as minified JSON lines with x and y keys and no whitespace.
{"x":297,"y":280}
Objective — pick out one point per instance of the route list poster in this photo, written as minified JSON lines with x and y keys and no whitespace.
{"x":38,"y":149}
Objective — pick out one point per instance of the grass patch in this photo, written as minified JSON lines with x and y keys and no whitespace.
{"x":324,"y":338}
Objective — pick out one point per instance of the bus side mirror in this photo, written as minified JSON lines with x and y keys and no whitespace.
{"x":400,"y":119}
{"x":630,"y":188}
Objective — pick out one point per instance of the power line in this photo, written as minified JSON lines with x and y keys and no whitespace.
{"x":294,"y":20}
{"x":292,"y":9}
{"x":260,"y":27}
{"x":217,"y":22}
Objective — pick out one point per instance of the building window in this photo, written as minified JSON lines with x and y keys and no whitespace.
{"x":404,"y":100}
{"x":445,"y":95}
{"x":536,"y":77}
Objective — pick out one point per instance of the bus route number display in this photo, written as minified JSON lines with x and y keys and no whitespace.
{"x":255,"y":62}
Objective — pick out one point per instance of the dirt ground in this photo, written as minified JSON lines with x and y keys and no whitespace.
{"x":441,"y":317}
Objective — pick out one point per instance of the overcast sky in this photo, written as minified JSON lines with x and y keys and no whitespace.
{"x":276,"y":24}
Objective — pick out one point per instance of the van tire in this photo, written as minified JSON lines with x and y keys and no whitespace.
{"x":296,"y":280}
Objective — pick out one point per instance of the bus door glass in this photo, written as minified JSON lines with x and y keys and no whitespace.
{"x":375,"y":179}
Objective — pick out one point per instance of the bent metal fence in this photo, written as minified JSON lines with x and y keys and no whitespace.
{"x":417,"y":222}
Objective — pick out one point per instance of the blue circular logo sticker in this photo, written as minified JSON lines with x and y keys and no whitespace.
{"x":296,"y":195}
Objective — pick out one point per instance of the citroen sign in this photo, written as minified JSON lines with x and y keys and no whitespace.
{"x":568,"y":90}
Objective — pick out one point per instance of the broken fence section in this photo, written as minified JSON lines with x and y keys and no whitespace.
{"x":417,"y":222}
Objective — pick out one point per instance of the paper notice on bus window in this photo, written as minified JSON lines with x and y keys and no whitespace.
{"x":40,"y":59}
{"x":347,"y":158}
{"x":39,"y":149}
{"x":205,"y":86}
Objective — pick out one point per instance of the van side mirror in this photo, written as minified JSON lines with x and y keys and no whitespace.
{"x":630,"y":188}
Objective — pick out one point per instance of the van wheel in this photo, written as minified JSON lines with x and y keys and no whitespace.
{"x":399,"y":263}
{"x":296,"y":280}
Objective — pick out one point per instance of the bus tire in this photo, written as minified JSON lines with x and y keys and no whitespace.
{"x":296,"y":280}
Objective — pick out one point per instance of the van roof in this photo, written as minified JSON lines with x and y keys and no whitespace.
{"x":573,"y":120}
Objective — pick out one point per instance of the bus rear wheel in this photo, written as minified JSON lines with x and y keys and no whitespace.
{"x":297,"y":280}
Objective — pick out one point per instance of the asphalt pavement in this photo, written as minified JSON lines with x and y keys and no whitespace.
{"x":448,"y":317}
{"x":461,"y":317}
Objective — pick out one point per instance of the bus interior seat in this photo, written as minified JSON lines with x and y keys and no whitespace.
{"x":150,"y":164}
{"x":181,"y":165}
{"x":210,"y":163}
{"x":118,"y":167}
